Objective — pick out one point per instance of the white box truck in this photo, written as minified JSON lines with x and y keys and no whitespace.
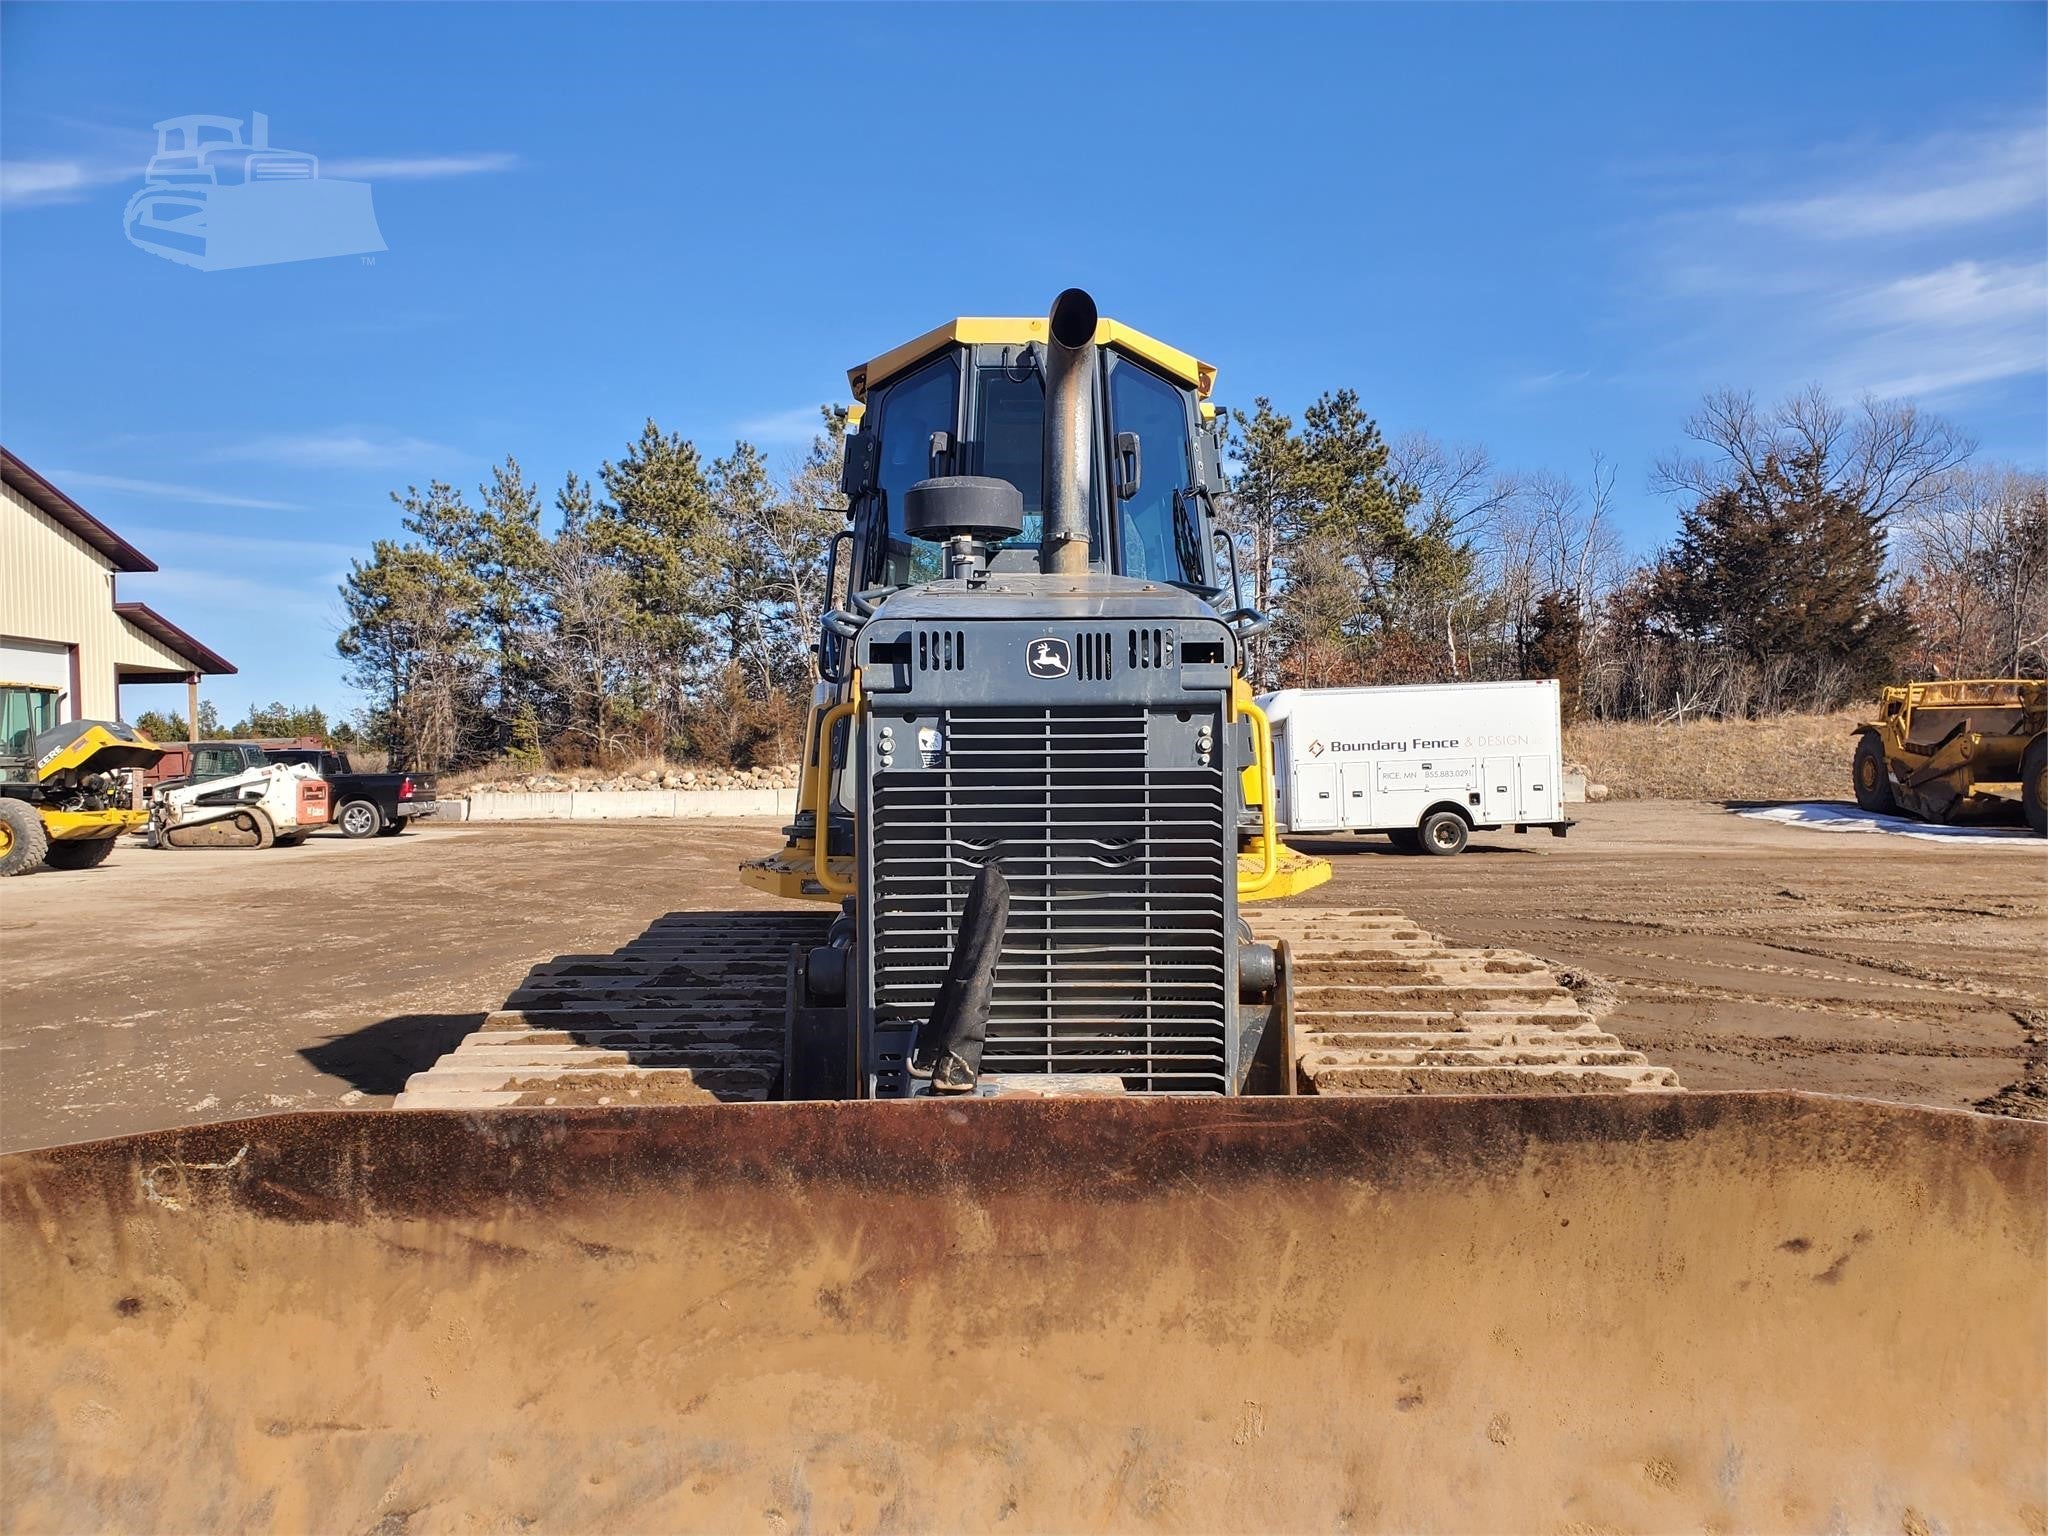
{"x":1426,"y":765}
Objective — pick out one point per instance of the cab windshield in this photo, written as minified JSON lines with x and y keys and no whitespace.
{"x":1003,"y":437}
{"x":25,"y":713}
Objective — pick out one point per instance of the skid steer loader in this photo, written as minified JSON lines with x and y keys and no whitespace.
{"x":265,"y":805}
{"x":1098,"y":1195}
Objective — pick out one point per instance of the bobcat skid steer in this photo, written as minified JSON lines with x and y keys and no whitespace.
{"x":271,"y":804}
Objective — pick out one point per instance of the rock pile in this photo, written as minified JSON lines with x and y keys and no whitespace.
{"x":593,"y":781}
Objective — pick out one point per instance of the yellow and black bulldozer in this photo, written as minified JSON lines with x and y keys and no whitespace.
{"x":1065,"y":1164}
{"x":64,"y":785}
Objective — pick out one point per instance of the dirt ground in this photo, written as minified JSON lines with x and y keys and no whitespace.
{"x":172,"y":988}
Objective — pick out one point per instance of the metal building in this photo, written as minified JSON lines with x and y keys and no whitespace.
{"x":62,"y":620}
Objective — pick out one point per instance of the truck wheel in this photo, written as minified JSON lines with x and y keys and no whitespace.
{"x":1406,"y":839}
{"x":22,"y":839}
{"x":359,"y":818}
{"x":79,"y":855}
{"x":393,"y":827}
{"x":1444,"y":833}
{"x":2034,"y":785}
{"x":1873,"y":775}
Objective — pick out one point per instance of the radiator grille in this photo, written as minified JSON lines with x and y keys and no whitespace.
{"x":1113,"y":959}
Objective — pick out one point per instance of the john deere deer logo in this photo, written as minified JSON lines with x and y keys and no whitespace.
{"x":1048,"y":658}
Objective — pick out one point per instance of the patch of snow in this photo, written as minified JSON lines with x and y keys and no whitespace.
{"x":1820,"y":816}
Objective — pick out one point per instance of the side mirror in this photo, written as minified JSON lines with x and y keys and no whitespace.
{"x":1129,"y":465}
{"x":857,"y":463}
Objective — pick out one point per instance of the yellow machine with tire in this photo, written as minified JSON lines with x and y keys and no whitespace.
{"x":1952,"y":750}
{"x":62,"y":783}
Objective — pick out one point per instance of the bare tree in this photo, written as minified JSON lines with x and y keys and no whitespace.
{"x":1974,"y":560}
{"x":1886,"y":456}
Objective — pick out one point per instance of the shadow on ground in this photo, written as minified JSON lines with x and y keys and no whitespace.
{"x":698,"y":995}
{"x":379,"y":1058}
{"x":1376,"y":845}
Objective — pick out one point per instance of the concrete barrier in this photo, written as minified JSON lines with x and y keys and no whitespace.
{"x":630,"y":804}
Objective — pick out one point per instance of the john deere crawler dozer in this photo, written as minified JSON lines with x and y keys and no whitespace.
{"x":1111,"y":1206}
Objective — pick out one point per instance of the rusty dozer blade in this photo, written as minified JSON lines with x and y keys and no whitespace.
{"x":1619,"y":1312}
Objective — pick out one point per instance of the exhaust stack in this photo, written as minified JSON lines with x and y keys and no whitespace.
{"x":1069,"y":432}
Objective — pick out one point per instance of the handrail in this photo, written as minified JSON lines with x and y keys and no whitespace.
{"x":821,"y":804}
{"x":1269,"y":833}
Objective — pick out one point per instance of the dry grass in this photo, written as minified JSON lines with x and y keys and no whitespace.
{"x":1787,"y":757}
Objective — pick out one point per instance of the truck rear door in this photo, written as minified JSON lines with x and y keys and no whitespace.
{"x":1314,"y":805}
{"x":1537,"y":789}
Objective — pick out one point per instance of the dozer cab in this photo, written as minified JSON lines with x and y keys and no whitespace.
{"x":1956,"y":750}
{"x":1038,"y":1175}
{"x":64,"y":784}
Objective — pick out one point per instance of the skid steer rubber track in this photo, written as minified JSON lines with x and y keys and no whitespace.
{"x":691,"y":1011}
{"x":1382,"y":1006}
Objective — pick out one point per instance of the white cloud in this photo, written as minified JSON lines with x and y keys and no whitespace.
{"x":1949,"y":182}
{"x":121,"y":155}
{"x":1961,"y":293}
{"x":220,"y":591}
{"x":33,"y":183}
{"x":1556,"y":378}
{"x":418,"y":167}
{"x":1909,"y":271}
{"x":159,"y":490}
{"x":337,"y":448}
{"x":251,"y":549}
{"x":799,"y":424}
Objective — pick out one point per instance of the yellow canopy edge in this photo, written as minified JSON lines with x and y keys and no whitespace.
{"x":1020,"y":331}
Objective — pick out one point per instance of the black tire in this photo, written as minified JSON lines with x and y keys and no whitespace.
{"x":80,"y":855}
{"x":23,"y":842}
{"x":1873,"y":775}
{"x":359,"y":818}
{"x":393,"y":827}
{"x":1444,"y":833}
{"x":1406,"y":839}
{"x":2034,"y":785}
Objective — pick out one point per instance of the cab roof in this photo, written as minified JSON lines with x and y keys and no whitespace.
{"x":1021,"y":331}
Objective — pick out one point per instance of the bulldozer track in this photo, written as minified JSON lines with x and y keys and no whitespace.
{"x":1383,"y":1006}
{"x":692,"y":1011}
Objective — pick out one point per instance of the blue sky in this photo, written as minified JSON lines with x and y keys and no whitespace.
{"x":1544,"y":228}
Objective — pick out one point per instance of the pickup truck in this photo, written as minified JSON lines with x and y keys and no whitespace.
{"x":365,"y":803}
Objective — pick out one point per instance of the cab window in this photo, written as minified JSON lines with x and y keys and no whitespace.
{"x":912,"y":410}
{"x":1154,"y":545}
{"x":1010,"y":421}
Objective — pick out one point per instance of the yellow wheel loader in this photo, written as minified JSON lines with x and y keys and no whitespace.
{"x":1043,"y":1172}
{"x":63,"y":784}
{"x":1956,"y":749}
